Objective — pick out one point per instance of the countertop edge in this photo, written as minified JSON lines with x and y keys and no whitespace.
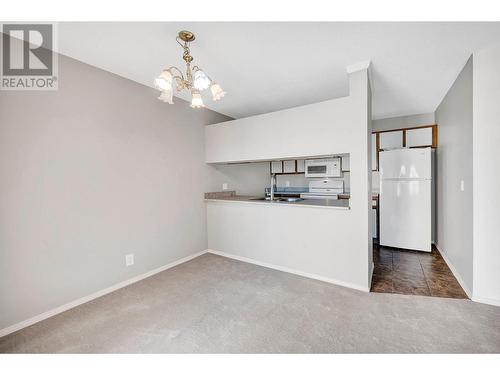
{"x":276,"y":204}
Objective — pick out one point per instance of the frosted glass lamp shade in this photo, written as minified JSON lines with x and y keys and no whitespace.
{"x":196,"y":100}
{"x":217,"y":92}
{"x":164,"y":81}
{"x":201,"y":81}
{"x":166,"y":96}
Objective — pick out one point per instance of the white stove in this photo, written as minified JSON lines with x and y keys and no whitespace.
{"x":324,"y":189}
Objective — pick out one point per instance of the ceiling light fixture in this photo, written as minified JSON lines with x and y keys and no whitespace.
{"x":195,"y":80}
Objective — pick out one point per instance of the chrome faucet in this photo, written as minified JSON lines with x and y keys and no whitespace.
{"x":273,"y":185}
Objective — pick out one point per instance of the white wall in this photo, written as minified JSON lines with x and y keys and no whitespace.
{"x":312,"y":130}
{"x":89,"y":173}
{"x":297,"y":238}
{"x":328,"y":128}
{"x":403,"y":121}
{"x":454,"y":164}
{"x":486,"y":141}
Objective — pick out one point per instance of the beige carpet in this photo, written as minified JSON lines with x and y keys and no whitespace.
{"x":217,"y":305}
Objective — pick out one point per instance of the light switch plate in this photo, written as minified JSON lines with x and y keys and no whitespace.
{"x":129,"y":259}
{"x":224,"y":186}
{"x":462,"y":185}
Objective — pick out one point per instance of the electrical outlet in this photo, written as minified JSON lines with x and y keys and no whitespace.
{"x":462,"y":185}
{"x":129,"y":259}
{"x":287,"y":183}
{"x":224,"y":186}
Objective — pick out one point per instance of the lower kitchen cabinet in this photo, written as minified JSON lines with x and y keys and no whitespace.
{"x":374,"y":222}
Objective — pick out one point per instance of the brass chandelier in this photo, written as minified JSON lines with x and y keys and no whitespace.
{"x":195,"y":80}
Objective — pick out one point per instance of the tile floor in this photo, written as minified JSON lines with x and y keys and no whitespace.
{"x":413,"y":272}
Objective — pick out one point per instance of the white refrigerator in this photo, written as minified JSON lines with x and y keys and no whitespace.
{"x":406,"y":198}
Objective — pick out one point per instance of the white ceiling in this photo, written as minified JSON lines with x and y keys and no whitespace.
{"x":266,"y":67}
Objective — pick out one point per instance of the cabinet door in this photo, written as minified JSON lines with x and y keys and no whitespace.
{"x":289,"y":166}
{"x":345,"y":163}
{"x":391,"y":140}
{"x":419,"y":137}
{"x":374,"y":152}
{"x":277,"y":166}
{"x":374,"y":223}
{"x":301,"y":166}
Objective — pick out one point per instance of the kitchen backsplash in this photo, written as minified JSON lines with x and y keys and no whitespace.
{"x":300,"y":181}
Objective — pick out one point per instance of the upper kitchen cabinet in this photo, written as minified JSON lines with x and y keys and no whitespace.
{"x":422,"y":137}
{"x":391,"y":139}
{"x":277,"y":166}
{"x":301,"y":166}
{"x":289,"y":166}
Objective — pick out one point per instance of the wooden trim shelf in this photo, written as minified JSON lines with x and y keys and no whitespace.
{"x":404,"y":130}
{"x":408,"y":128}
{"x":434,"y":136}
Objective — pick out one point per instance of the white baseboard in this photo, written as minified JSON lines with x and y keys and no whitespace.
{"x":454,"y":272}
{"x":90,"y":297}
{"x":288,"y":270}
{"x":371,"y":274}
{"x":488,"y":301}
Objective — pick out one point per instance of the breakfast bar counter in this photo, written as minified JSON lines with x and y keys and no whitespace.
{"x":317,"y":240}
{"x":342,"y":204}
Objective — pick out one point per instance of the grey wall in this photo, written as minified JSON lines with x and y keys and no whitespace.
{"x":403,"y":122}
{"x":454,"y":164}
{"x":89,"y":173}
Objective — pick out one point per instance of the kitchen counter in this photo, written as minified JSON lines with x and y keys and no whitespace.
{"x":342,"y":204}
{"x":348,"y":196}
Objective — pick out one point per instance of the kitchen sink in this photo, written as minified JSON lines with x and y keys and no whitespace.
{"x":290,"y":199}
{"x":284,"y":200}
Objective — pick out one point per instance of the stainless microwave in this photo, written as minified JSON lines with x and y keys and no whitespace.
{"x":322,"y":168}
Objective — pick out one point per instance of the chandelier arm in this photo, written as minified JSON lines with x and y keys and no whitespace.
{"x":181,"y":83}
{"x":182,"y":44}
{"x":177,"y":70}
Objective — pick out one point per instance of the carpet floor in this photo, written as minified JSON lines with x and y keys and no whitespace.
{"x":213,"y":304}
